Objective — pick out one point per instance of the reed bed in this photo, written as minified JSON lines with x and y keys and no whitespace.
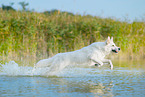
{"x":42,"y":35}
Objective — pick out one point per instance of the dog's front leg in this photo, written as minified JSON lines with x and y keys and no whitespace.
{"x":108,"y":61}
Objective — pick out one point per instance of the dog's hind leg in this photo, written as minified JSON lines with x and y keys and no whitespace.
{"x":56,"y":67}
{"x":108,"y":61}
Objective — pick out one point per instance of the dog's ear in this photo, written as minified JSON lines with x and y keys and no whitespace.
{"x":112,"y":39}
{"x":108,"y":40}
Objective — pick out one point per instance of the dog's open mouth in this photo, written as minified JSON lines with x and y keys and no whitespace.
{"x":115,"y":51}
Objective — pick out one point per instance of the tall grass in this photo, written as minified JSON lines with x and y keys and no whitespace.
{"x":39,"y":35}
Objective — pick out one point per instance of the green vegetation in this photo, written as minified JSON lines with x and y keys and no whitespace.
{"x":39,"y":35}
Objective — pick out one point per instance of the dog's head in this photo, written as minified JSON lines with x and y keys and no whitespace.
{"x":110,"y":45}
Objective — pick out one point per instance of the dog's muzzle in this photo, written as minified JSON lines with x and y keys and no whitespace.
{"x":116,"y":50}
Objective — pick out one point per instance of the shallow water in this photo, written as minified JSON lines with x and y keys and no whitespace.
{"x":126,"y":79}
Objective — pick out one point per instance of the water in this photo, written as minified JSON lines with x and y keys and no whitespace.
{"x":127,"y":79}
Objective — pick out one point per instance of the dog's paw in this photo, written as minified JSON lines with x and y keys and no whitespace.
{"x":111,"y":67}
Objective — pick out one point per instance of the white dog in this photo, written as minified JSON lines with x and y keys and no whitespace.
{"x":93,"y":54}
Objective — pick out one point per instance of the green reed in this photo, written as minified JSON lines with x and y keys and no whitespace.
{"x":39,"y":35}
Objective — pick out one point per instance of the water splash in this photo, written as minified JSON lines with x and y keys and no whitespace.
{"x":13,"y":69}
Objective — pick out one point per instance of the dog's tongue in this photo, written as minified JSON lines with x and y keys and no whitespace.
{"x":116,"y":51}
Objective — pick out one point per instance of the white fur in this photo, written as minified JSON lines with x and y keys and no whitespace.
{"x":90,"y":55}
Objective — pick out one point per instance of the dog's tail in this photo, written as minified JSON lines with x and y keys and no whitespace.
{"x":44,"y":63}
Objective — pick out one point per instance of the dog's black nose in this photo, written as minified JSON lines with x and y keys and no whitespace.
{"x":119,"y":48}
